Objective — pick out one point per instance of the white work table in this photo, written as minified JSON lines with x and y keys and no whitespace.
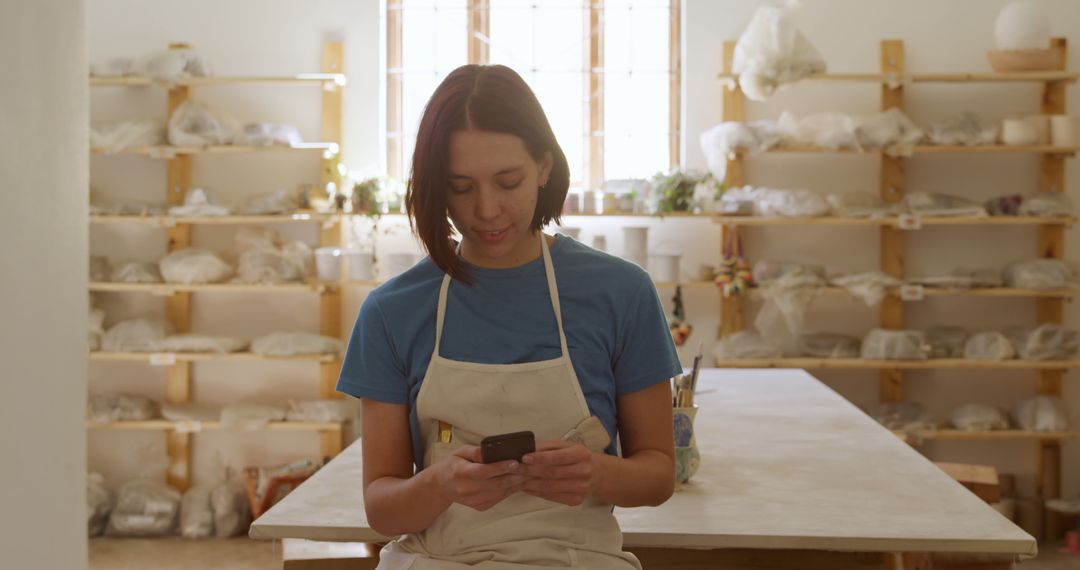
{"x":786,"y":465}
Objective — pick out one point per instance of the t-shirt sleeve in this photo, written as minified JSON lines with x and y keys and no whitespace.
{"x":372,"y":368}
{"x":645,"y":354}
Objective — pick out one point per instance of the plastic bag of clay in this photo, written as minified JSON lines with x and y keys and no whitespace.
{"x":1042,"y":413}
{"x":295,"y":343}
{"x":891,"y":128}
{"x":745,"y":344}
{"x":1046,"y":342}
{"x":232,"y":512}
{"x":1039,"y":274}
{"x":250,"y":416}
{"x":937,"y":204}
{"x":194,"y":265}
{"x":989,"y":345}
{"x":197,"y":204}
{"x":99,"y":503}
{"x":772,"y":52}
{"x":194,"y":125}
{"x":280,"y":201}
{"x":95,"y":327}
{"x":1047,"y":205}
{"x":965,"y":129}
{"x":826,"y":345}
{"x":137,"y":272}
{"x":978,"y":417}
{"x":174,"y":64}
{"x":870,"y":287}
{"x":99,"y":268}
{"x":115,"y":137}
{"x":145,"y":508}
{"x":317,"y":411}
{"x":135,"y":335}
{"x":767,"y":270}
{"x":946,"y":342}
{"x":881,"y":344}
{"x":904,"y":416}
{"x":269,"y":266}
{"x":720,"y":141}
{"x":135,"y":209}
{"x":202,"y":343}
{"x":268,"y":134}
{"x":106,"y":407}
{"x":196,"y":516}
{"x":785,"y":303}
{"x":832,"y":131}
{"x":863,"y":205}
{"x":772,"y":202}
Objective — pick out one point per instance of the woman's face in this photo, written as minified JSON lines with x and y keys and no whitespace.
{"x":494,"y":185}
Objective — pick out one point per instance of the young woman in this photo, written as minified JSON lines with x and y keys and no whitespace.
{"x":507,"y":330}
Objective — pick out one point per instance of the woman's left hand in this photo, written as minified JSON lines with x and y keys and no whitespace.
{"x":560,"y":471}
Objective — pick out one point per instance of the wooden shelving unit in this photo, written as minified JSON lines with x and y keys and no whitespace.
{"x":178,"y":298}
{"x":893,"y":80}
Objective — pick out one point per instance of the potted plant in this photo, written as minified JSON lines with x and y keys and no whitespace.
{"x":682,"y":191}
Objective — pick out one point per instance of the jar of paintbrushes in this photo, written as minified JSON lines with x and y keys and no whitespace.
{"x":687,"y":457}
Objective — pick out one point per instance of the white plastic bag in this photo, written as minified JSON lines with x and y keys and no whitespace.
{"x":135,"y":335}
{"x":196,"y":517}
{"x":720,"y":141}
{"x":95,"y":327}
{"x":870,"y":287}
{"x":946,"y":342}
{"x":145,"y":508}
{"x":1047,"y":205}
{"x":863,"y":205}
{"x":295,"y":343}
{"x":107,"y":407}
{"x":250,"y":417}
{"x":745,"y":344}
{"x":978,"y":417}
{"x":194,"y":265}
{"x":989,"y":345}
{"x":1042,"y":413}
{"x":772,"y":52}
{"x":881,"y":344}
{"x":197,"y":203}
{"x":317,"y":411}
{"x":280,"y":201}
{"x":99,"y":503}
{"x":1046,"y":342}
{"x":1039,"y":274}
{"x":174,"y":64}
{"x":772,"y":202}
{"x":832,"y":131}
{"x":827,"y":345}
{"x":115,"y":137}
{"x":232,"y":512}
{"x":937,"y":204}
{"x":268,"y":134}
{"x":137,"y":272}
{"x":269,"y":266}
{"x":99,"y":268}
{"x":202,"y":343}
{"x":904,"y":416}
{"x":890,"y":128}
{"x":965,"y":129}
{"x":194,"y":125}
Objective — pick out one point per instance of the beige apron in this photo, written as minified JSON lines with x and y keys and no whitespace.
{"x":521,"y":531}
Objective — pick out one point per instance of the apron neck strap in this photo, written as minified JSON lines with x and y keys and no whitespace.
{"x":553,"y":294}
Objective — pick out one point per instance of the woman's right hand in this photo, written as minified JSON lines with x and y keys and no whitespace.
{"x":464,"y":478}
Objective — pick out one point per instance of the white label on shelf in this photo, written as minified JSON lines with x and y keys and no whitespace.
{"x":911,"y":292}
{"x":189,"y":426}
{"x":910,"y":222}
{"x":162,"y":359}
{"x":162,"y":291}
{"x":163,"y":152}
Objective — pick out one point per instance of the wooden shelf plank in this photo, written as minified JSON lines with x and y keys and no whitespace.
{"x":166,"y":358}
{"x":165,"y":289}
{"x":974,"y":292}
{"x":925,"y":149}
{"x":320,"y":79}
{"x":894,"y":221}
{"x":165,"y":151}
{"x":170,"y":221}
{"x":196,"y":426}
{"x":997,"y":435}
{"x":953,"y":77}
{"x":866,"y":364}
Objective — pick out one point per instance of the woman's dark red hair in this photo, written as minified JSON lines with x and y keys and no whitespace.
{"x":487,"y":98}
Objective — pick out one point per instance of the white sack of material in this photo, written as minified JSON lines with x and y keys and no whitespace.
{"x":193,"y":265}
{"x":772,"y":52}
{"x":135,"y":335}
{"x":295,"y":344}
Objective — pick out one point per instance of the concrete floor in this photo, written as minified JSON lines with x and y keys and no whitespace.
{"x":246,"y":554}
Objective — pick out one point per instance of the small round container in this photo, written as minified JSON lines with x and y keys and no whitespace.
{"x":1019,"y":132}
{"x":328,"y":263}
{"x":1063,"y":130}
{"x":664,"y":266}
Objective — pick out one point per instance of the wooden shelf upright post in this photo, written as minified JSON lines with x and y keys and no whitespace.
{"x":731,"y":308}
{"x":330,"y":305}
{"x":1051,"y":310}
{"x":891,"y":383}
{"x":178,"y":305}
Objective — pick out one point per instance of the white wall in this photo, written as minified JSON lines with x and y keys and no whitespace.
{"x":43,"y":261}
{"x":939,"y":37}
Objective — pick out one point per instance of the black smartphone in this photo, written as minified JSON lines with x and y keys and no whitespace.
{"x":507,"y":446}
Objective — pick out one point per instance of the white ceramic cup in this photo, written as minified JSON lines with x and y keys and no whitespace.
{"x":664,"y":266}
{"x":328,"y":263}
{"x":1063,"y":130}
{"x":361,"y":265}
{"x":1019,"y":132}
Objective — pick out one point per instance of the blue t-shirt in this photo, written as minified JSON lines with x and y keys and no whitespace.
{"x":615,"y":327}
